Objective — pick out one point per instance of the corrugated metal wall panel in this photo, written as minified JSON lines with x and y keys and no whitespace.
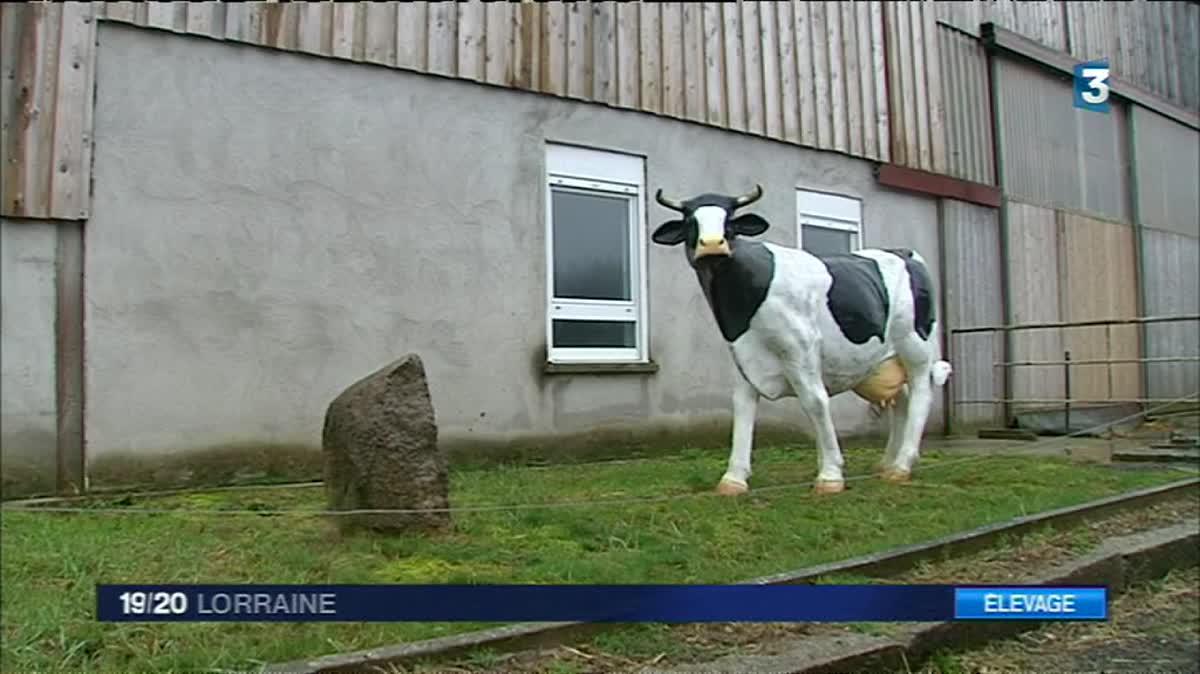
{"x":1100,"y":283}
{"x":1168,"y":155}
{"x":973,"y":298}
{"x":1044,"y":154}
{"x":47,"y":73}
{"x":1033,"y":288}
{"x":1104,"y":162}
{"x":1042,"y":21}
{"x":1172,"y":289}
{"x":968,"y":109}
{"x":1037,"y":127}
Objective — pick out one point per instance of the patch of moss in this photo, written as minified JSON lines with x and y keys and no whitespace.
{"x":250,"y":462}
{"x":20,"y":479}
{"x":230,"y":464}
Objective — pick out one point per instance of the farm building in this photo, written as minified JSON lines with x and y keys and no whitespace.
{"x":218,"y":216}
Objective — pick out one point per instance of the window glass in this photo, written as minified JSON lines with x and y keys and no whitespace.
{"x":595,"y":334}
{"x":591,"y":246}
{"x":826,"y":241}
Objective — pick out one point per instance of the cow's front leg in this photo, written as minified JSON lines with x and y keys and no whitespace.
{"x":745,"y":408}
{"x":814,"y":399}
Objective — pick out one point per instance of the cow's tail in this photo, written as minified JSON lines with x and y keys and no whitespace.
{"x":940,"y":372}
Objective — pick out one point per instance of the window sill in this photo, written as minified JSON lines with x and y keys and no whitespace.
{"x":601,"y":368}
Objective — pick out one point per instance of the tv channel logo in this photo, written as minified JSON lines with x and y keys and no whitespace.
{"x":1091,"y":85}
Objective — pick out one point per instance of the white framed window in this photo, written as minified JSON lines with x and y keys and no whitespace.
{"x":596,"y":267}
{"x":828,"y":223}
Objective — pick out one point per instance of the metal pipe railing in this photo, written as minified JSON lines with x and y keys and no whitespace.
{"x":1047,"y":401}
{"x":1069,"y":400}
{"x":1101,"y":361}
{"x":1076,"y":324}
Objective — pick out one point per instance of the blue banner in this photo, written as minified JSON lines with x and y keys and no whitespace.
{"x":587,"y":603}
{"x":1031,"y":603}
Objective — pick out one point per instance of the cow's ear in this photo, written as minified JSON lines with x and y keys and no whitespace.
{"x":749,"y":224}
{"x":670,"y":233}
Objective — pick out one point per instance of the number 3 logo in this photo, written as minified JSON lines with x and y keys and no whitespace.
{"x":1092,"y":87}
{"x":1097,"y":82}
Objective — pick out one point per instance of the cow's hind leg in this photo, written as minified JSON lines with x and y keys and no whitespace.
{"x":919,"y":361}
{"x":745,"y":408}
{"x":897,"y":418}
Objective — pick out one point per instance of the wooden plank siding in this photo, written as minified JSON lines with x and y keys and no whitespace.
{"x":973,"y":297}
{"x":1034,"y":291}
{"x":1152,"y":44}
{"x":1100,"y":278}
{"x":47,"y":71}
{"x":1068,"y":267}
{"x":918,"y":129}
{"x":799,"y":72}
{"x":865,"y":79}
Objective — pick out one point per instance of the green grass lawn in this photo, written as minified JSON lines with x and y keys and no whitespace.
{"x":51,"y":562}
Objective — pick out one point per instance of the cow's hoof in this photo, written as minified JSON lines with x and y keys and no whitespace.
{"x":896,"y":476}
{"x":829,"y":486}
{"x":730,"y":487}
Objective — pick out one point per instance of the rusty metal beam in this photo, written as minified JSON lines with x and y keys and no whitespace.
{"x":914,"y":180}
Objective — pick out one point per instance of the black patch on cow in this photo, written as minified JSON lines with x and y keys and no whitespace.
{"x":924,"y":312}
{"x":736,"y":286}
{"x":858,"y":298}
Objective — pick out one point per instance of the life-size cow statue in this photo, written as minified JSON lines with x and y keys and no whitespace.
{"x":813,"y":327}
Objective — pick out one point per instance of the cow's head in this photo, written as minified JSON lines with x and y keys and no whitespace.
{"x":709,"y":228}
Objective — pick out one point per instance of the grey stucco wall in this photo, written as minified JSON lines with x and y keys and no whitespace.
{"x":270,"y":227}
{"x":28,"y":440}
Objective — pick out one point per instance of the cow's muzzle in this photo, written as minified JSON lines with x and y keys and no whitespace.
{"x":717,"y":245}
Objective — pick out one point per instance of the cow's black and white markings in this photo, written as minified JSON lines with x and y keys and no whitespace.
{"x":922,"y":291}
{"x":858,"y":299}
{"x":812,"y":327}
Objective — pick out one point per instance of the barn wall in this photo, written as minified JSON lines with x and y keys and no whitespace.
{"x":291,"y":242}
{"x":1055,"y":154}
{"x":1167,"y":157}
{"x":1172,"y":289}
{"x":47,"y":68}
{"x":817,"y":74}
{"x":1155,"y":45}
{"x":917,"y":108}
{"x":968,"y":128}
{"x":800,"y":72}
{"x":974,"y":299}
{"x":29,"y":438}
{"x":1035,"y":286}
{"x":1100,"y":276}
{"x":1043,"y":22}
{"x":1067,"y":267}
{"x":1152,"y":44}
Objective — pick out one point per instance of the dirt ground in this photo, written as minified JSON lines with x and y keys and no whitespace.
{"x":1154,"y":628}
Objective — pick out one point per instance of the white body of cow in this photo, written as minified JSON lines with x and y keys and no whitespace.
{"x":794,"y":348}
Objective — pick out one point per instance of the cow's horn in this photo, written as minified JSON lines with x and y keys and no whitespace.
{"x":751,"y":197}
{"x":669,"y":203}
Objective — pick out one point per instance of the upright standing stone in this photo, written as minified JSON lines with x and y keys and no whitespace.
{"x":381,"y":451}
